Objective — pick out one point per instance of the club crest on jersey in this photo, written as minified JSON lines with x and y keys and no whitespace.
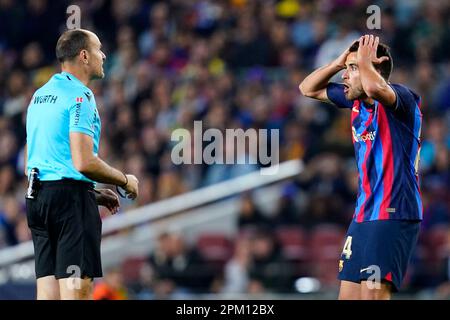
{"x":363,"y":137}
{"x":341,"y":265}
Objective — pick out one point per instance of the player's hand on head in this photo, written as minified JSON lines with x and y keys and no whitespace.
{"x":367,"y":50}
{"x":132,"y":187}
{"x":340,"y":61}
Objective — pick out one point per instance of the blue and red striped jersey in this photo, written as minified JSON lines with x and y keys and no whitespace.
{"x":387,"y":147}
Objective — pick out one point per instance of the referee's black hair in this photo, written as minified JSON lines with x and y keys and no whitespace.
{"x":70,"y":43}
{"x":383,"y":50}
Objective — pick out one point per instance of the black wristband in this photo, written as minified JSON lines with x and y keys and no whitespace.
{"x":124,"y":185}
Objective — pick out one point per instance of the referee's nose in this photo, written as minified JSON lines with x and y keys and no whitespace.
{"x":103,"y":56}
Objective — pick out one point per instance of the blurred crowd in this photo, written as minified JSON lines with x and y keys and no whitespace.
{"x":231,"y":64}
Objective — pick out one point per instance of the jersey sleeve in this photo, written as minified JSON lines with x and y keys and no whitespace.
{"x":82,"y":115}
{"x":406,"y":100}
{"x":335,"y":93}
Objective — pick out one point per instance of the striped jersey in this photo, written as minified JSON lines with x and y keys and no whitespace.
{"x":387,"y":147}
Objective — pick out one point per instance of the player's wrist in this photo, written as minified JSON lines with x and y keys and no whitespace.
{"x":123,"y":185}
{"x":363,"y":61}
{"x":337,"y":66}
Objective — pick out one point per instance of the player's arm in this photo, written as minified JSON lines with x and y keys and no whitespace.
{"x":315,"y":84}
{"x":374,"y":85}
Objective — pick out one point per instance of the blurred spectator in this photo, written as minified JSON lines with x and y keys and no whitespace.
{"x":287,"y":212}
{"x":250,"y":216}
{"x":236,"y":273}
{"x":342,"y":38}
{"x":431,"y":268}
{"x":269,"y":271}
{"x":328,"y":190}
{"x":178,"y":267}
{"x":13,"y":227}
{"x":111,"y":287}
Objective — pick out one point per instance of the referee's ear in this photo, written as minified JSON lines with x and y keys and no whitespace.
{"x":84,"y":56}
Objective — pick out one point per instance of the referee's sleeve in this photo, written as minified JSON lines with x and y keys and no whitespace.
{"x":82,"y":116}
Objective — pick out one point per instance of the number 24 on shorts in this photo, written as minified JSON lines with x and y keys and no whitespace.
{"x":347,"y":251}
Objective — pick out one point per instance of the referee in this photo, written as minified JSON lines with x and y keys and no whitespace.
{"x":63,"y":133}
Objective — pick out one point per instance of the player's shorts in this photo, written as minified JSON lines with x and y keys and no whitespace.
{"x":378,"y":251}
{"x":66,"y":229}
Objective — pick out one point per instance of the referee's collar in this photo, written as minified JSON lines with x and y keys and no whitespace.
{"x":71,"y":77}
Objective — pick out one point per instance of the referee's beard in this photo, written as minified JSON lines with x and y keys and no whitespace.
{"x":98,"y":74}
{"x":96,"y":67}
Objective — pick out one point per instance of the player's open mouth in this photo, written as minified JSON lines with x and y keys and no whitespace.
{"x":346,"y":88}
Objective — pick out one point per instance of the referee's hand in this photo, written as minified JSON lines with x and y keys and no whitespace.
{"x":132,"y":187}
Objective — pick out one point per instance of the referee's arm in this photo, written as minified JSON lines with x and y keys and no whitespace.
{"x":81,"y":146}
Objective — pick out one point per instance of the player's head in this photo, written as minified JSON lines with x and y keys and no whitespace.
{"x":81,"y":48}
{"x":351,"y":77}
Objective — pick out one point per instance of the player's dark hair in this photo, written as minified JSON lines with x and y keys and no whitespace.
{"x":70,"y":43}
{"x":386,"y":66}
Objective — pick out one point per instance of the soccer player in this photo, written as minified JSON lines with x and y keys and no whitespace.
{"x":63,"y":133}
{"x":386,"y":122}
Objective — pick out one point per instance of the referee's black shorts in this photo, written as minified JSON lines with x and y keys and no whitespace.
{"x":66,"y":229}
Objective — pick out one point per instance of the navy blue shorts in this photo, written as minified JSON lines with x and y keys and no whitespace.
{"x":378,"y":250}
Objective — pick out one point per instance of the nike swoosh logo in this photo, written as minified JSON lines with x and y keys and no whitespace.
{"x":354,"y":109}
{"x":365,"y":269}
